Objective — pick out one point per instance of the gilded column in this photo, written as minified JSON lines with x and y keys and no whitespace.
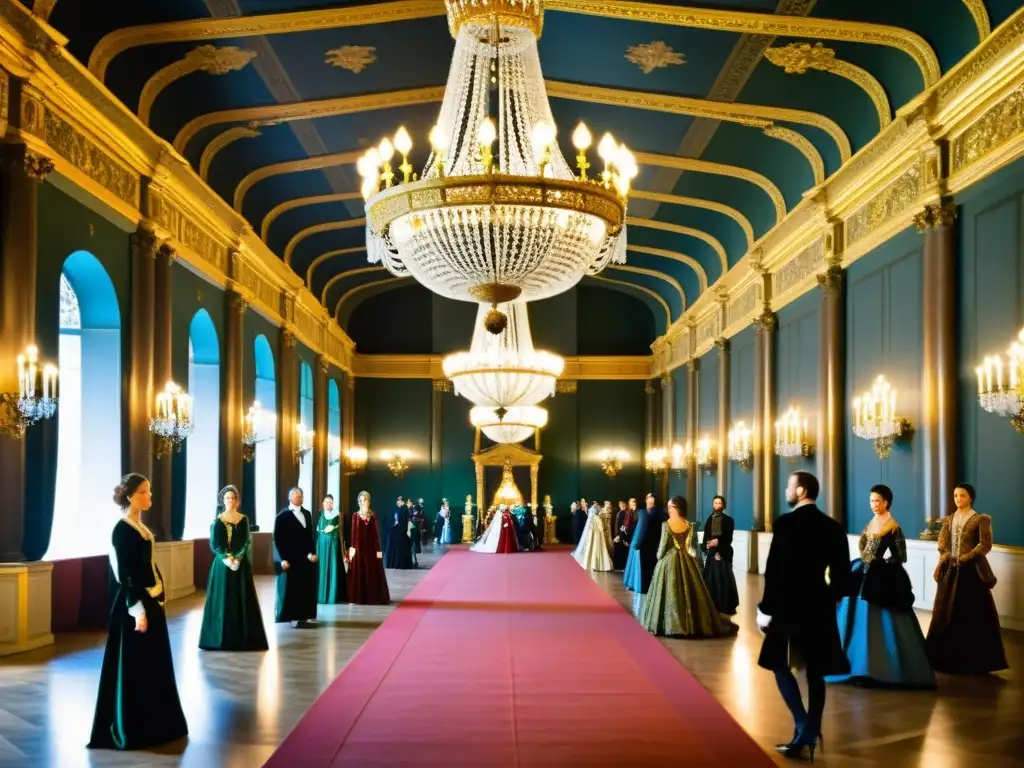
{"x":724,"y":413}
{"x":533,"y":488}
{"x":440,"y":386}
{"x":649,"y":415}
{"x":832,"y":394}
{"x":667,"y":410}
{"x":321,"y":442}
{"x":692,"y":406}
{"x":288,"y":405}
{"x":140,"y":368}
{"x":232,"y":412}
{"x":21,"y":173}
{"x":939,"y":412}
{"x":764,"y":419}
{"x":163,"y":372}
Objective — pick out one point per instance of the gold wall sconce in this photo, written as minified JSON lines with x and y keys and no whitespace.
{"x":397,"y":462}
{"x":258,"y":426}
{"x":355,"y":460}
{"x":791,"y":436}
{"x":704,"y":455}
{"x":172,"y":424}
{"x":36,"y":398}
{"x":875,"y":419}
{"x":1001,"y":384}
{"x":741,"y":448}
{"x":611,"y":461}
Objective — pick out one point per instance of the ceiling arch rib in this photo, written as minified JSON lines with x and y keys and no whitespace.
{"x":643,"y":289}
{"x":692,"y":263}
{"x":696,"y":202}
{"x":323,"y":257}
{"x":347,"y":276}
{"x":980,"y":16}
{"x":659,"y":275}
{"x":740,"y":22}
{"x":359,"y":288}
{"x":298,"y":202}
{"x":318,"y":229}
{"x":224,"y":140}
{"x":678,"y":229}
{"x":315,"y":163}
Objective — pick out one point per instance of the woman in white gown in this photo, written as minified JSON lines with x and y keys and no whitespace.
{"x":500,"y":536}
{"x":594,"y":552}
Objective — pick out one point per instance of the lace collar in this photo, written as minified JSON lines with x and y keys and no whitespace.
{"x":139,"y":527}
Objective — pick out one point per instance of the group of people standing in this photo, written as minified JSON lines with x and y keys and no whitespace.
{"x":507,"y":530}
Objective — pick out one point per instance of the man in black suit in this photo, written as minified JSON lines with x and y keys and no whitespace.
{"x":295,"y":562}
{"x":806,"y":575}
{"x":647,"y":538}
{"x":579,"y":520}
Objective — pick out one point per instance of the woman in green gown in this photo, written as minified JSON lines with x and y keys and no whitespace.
{"x":678,"y":603}
{"x":331,"y":552}
{"x":231,"y":618}
{"x":137,"y":706}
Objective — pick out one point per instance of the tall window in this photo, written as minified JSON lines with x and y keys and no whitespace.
{"x":202,"y":451}
{"x":306,"y":417}
{"x":89,"y":418}
{"x":266,"y":450}
{"x":334,"y":440}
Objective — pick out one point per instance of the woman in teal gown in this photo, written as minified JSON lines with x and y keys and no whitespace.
{"x":231,"y":618}
{"x":137,"y":706}
{"x":331,"y":553}
{"x":678,"y":603}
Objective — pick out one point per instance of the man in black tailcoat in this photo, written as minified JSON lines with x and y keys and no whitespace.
{"x":295,"y":562}
{"x":806,"y":575}
{"x":647,"y":540}
{"x":579,"y":520}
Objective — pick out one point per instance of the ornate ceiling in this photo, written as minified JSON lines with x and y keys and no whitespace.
{"x":736,"y":109}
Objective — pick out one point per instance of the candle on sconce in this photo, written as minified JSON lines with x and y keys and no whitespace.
{"x":21,"y":377}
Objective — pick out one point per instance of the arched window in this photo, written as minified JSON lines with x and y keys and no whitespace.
{"x":306,"y":418}
{"x":89,"y":419}
{"x":266,"y":450}
{"x":334,"y":440}
{"x":202,"y":451}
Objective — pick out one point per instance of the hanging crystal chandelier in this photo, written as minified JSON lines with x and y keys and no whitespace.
{"x":503,"y":371}
{"x":508,"y":425}
{"x":496,"y":224}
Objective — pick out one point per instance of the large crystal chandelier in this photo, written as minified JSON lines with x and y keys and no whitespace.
{"x":508,"y":425}
{"x":496,"y":223}
{"x":503,"y":371}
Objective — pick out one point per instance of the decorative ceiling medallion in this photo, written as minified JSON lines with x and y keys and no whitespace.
{"x":652,"y":56}
{"x":797,"y":58}
{"x":354,"y":58}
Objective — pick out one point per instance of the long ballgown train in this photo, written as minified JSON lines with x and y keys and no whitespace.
{"x":593,"y":553}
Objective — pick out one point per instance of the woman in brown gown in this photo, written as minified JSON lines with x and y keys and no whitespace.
{"x":964,"y":636}
{"x":367,"y":582}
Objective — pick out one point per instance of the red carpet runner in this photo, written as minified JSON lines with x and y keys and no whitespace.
{"x":514,"y":660}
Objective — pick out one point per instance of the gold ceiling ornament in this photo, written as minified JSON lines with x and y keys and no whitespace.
{"x":719,"y":169}
{"x":797,"y":58}
{"x":299,"y":202}
{"x":652,"y":56}
{"x":692,"y":263}
{"x":314,"y":163}
{"x":360,"y":288}
{"x":354,"y":58}
{"x":740,"y":22}
{"x":660,"y":275}
{"x":318,"y":229}
{"x":527,"y":14}
{"x":327,"y":256}
{"x":205,"y":58}
{"x":642,"y":289}
{"x":679,"y":229}
{"x":802,"y":145}
{"x":980,"y":16}
{"x":696,"y":202}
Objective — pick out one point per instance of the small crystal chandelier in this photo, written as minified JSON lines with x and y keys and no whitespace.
{"x":496,"y":224}
{"x":656,"y":460}
{"x":874,"y":417}
{"x":36,"y":398}
{"x":1002,"y":394}
{"x":740,"y":448}
{"x":791,"y":435}
{"x":504,"y":371}
{"x":355,"y":460}
{"x":304,"y":442}
{"x":397,"y":462}
{"x":680,"y":456}
{"x":704,"y":455}
{"x":508,"y":425}
{"x":611,"y":461}
{"x":258,"y":427}
{"x":172,"y":425}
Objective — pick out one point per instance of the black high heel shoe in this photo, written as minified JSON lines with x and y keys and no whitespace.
{"x":803,"y":753}
{"x":793,"y":742}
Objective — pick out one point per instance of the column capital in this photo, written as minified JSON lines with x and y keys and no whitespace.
{"x":166,"y":253}
{"x":693,"y":364}
{"x":566,"y":386}
{"x":935,"y":215}
{"x":649,"y":387}
{"x":323,"y":364}
{"x":37,"y":167}
{"x":350,"y":382}
{"x":237,"y":302}
{"x":768,"y":321}
{"x":145,"y":243}
{"x":832,"y":279}
{"x":288,"y":337}
{"x":443,"y":385}
{"x":666,"y":380}
{"x":723,"y":344}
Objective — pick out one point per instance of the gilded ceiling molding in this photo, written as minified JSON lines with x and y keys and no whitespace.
{"x":309,"y":110}
{"x":978,"y":13}
{"x":205,"y":58}
{"x":752,"y":115}
{"x":802,"y":145}
{"x":719,"y":169}
{"x":797,"y":58}
{"x":692,"y":263}
{"x":288,"y":205}
{"x":644,"y":289}
{"x":325,"y":257}
{"x":317,"y":229}
{"x":696,"y":202}
{"x":341,"y":275}
{"x":654,"y":273}
{"x":740,"y":22}
{"x":43,"y":8}
{"x":230,"y":136}
{"x":678,"y":229}
{"x":360,"y":288}
{"x":290,"y":166}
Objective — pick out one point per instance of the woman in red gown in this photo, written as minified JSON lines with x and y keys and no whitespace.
{"x":507,"y":542}
{"x":367,"y":583}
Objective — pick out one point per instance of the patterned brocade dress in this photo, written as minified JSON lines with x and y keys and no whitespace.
{"x":678,"y":603}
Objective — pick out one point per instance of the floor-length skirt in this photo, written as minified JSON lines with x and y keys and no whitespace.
{"x":678,"y":603}
{"x":592,"y":552}
{"x":964,"y":636}
{"x":398,"y":551}
{"x":137,"y":706}
{"x":631,"y":578}
{"x":367,"y":582}
{"x":620,"y":555}
{"x":446,"y":534}
{"x":721,"y":584}
{"x":333,"y":584}
{"x":231,"y":617}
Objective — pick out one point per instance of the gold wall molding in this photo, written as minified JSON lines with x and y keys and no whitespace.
{"x":325,"y":257}
{"x":314,"y":163}
{"x":896,"y":198}
{"x":360,"y":288}
{"x":652,"y":56}
{"x":318,"y":229}
{"x":679,"y":229}
{"x":797,"y":58}
{"x":718,"y":169}
{"x":999,"y":128}
{"x":656,"y":274}
{"x":344,"y":276}
{"x":185,"y":232}
{"x":308,"y":110}
{"x":223,"y":140}
{"x":5,"y":101}
{"x":985,"y":58}
{"x":205,"y":58}
{"x":692,"y":263}
{"x":299,"y":202}
{"x":799,"y":269}
{"x":752,"y":115}
{"x":354,"y":58}
{"x":980,"y":16}
{"x":740,"y":22}
{"x":577,"y":368}
{"x":743,"y":305}
{"x":696,"y":202}
{"x":642,"y":289}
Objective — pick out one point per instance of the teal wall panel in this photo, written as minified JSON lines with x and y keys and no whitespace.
{"x":680,"y":389}
{"x":612,"y":323}
{"x":611,"y":415}
{"x":707,"y":426}
{"x":396,"y":322}
{"x":560,"y":446}
{"x":740,"y":498}
{"x":458,"y":475}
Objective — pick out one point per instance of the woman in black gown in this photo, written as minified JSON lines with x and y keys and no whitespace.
{"x":625,"y":524}
{"x":717,"y":549}
{"x":137,"y":705}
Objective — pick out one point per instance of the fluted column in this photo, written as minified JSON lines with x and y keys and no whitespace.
{"x":724,"y":413}
{"x":163,"y":357}
{"x":692,"y":407}
{"x":649,"y":415}
{"x":832,"y":391}
{"x":320,"y":435}
{"x":20,"y":175}
{"x":232,"y":412}
{"x":668,"y":410}
{"x":939,"y":412}
{"x":764,"y":419}
{"x":288,"y":405}
{"x":141,"y":340}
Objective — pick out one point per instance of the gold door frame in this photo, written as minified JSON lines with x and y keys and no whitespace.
{"x":495,"y":457}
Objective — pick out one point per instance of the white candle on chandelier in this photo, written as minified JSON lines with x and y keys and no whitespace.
{"x":999,"y":371}
{"x":981,"y":382}
{"x":487,"y":133}
{"x":21,"y":376}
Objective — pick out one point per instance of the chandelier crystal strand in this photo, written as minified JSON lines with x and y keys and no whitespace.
{"x":508,"y":425}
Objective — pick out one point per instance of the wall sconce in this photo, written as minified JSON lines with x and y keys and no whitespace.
{"x":172,"y":423}
{"x":396,"y":462}
{"x":36,"y":398}
{"x":611,"y":461}
{"x":656,"y":460}
{"x":740,"y":447}
{"x":257,"y":427}
{"x":680,"y":456}
{"x":791,"y":435}
{"x":1004,"y":397}
{"x":355,"y":460}
{"x":874,"y":418}
{"x":305,"y":442}
{"x":704,"y":455}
